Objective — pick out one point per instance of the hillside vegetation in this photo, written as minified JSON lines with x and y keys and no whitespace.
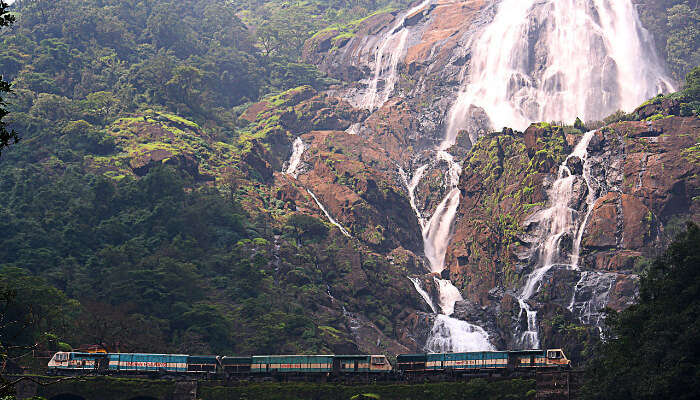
{"x":120,"y":209}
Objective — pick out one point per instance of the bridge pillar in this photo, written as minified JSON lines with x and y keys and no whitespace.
{"x":26,"y":389}
{"x":185,"y":391}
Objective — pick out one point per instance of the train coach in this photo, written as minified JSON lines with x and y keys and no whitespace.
{"x":81,"y":362}
{"x":481,"y":361}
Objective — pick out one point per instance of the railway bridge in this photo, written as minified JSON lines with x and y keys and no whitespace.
{"x":551,"y":385}
{"x":105,"y":388}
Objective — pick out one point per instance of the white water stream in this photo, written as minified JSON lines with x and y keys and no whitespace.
{"x":297,"y":151}
{"x":448,"y":334}
{"x":325,"y":212}
{"x":558,"y":221}
{"x":544,"y":60}
{"x":386,"y":60}
{"x":423,"y":293}
{"x":298,"y":148}
{"x":411,"y":187}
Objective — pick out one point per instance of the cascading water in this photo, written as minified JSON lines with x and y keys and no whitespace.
{"x":454,"y":335}
{"x":386,"y":60}
{"x":297,"y":151}
{"x":590,"y":296}
{"x":544,"y":60}
{"x":423,"y":293}
{"x":325,"y":212}
{"x":291,"y":170}
{"x":559,"y":220}
{"x":448,"y":333}
{"x":411,"y":187}
{"x":538,"y":60}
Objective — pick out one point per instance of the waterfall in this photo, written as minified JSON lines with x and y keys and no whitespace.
{"x":297,"y":151}
{"x":291,"y":170}
{"x":448,"y":333}
{"x":453,"y":335}
{"x":437,"y":232}
{"x":411,"y":187}
{"x":543,"y":60}
{"x":325,"y":212}
{"x":423,"y":293}
{"x":590,"y":295}
{"x":558,"y":221}
{"x":386,"y":60}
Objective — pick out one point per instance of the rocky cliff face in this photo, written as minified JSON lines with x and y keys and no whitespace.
{"x":378,"y":158}
{"x":411,"y":69}
{"x":645,"y":182}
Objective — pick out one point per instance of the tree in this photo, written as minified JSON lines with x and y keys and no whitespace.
{"x":692,"y":84}
{"x":650,"y":350}
{"x":32,"y":315}
{"x":305,"y":227}
{"x":6,"y":137}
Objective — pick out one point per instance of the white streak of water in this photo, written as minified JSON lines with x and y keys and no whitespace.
{"x":411,"y":187}
{"x":558,"y":220}
{"x":449,"y":295}
{"x":436,"y":234}
{"x":454,"y":335}
{"x":423,"y":293}
{"x":386,"y":60}
{"x":330,"y":218}
{"x":297,"y":151}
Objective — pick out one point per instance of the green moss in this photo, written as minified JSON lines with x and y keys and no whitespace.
{"x":344,"y":35}
{"x":655,"y":117}
{"x":179,"y":120}
{"x":352,"y":26}
{"x":692,"y":153}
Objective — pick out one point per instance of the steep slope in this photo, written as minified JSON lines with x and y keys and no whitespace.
{"x":431,"y":71}
{"x":388,"y":212}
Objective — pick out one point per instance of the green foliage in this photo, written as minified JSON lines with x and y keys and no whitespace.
{"x":473,"y":389}
{"x":692,"y":84}
{"x":675,"y":25}
{"x":6,"y":137}
{"x":650,"y":350}
{"x":304,"y":227}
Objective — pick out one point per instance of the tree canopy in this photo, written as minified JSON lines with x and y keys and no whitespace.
{"x":650,"y":350}
{"x":6,"y":136}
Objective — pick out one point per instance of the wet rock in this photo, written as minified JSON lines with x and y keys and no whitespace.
{"x":601,"y":232}
{"x":575,"y":165}
{"x":496,"y":293}
{"x":566,"y":243}
{"x":256,"y":160}
{"x":657,"y":106}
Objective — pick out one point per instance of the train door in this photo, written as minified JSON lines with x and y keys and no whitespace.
{"x":532,"y":361}
{"x":512,"y":361}
{"x":354,"y":365}
{"x":336,"y":365}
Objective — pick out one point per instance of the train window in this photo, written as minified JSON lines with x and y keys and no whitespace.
{"x":378,"y":361}
{"x":554,"y":354}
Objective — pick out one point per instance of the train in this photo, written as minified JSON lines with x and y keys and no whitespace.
{"x":375,"y":366}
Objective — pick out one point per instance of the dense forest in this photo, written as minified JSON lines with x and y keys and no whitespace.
{"x":164,"y":262}
{"x":675,"y":25}
{"x":650,"y":349}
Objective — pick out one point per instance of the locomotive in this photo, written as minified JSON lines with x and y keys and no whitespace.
{"x":308,"y":366}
